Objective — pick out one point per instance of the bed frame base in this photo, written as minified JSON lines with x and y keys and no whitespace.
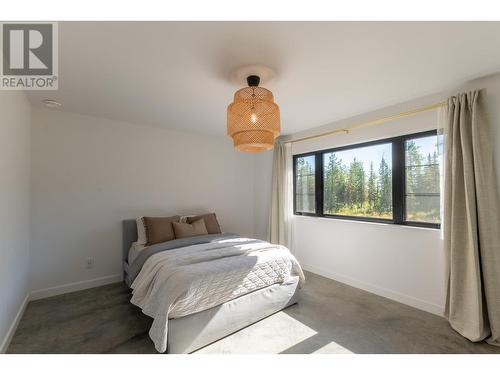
{"x":195,"y":331}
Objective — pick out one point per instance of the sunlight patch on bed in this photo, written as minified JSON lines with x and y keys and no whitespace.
{"x":239,"y":239}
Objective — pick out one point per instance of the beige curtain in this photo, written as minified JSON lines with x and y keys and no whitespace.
{"x":471,"y":222}
{"x":280,"y":228}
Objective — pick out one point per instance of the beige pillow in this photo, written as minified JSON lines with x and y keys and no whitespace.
{"x":196,"y":228}
{"x":210,"y":222}
{"x":159,"y":229}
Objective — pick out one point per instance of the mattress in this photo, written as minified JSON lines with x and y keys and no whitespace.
{"x":195,"y":331}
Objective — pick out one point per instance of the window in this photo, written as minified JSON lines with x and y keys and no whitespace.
{"x":392,"y":180}
{"x":305,"y":184}
{"x":358,"y":182}
{"x":422,"y":179}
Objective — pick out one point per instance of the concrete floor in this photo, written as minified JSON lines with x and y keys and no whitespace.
{"x":330,"y":318}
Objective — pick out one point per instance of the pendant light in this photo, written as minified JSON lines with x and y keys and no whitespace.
{"x":253,"y":118}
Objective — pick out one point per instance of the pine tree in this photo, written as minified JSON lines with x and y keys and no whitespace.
{"x":384,"y":188}
{"x":334,"y":185}
{"x":414,"y":175}
{"x":357,"y":183}
{"x":372,"y":193}
{"x":328,"y":184}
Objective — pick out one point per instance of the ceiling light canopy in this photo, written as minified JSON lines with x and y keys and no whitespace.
{"x":253,"y":118}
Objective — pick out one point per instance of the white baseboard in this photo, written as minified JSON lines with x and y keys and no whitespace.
{"x":73,"y":287}
{"x":387,"y":293}
{"x":13,"y":326}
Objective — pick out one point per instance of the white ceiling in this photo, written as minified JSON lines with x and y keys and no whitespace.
{"x":177,"y":74}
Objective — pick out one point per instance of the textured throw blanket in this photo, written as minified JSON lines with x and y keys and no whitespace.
{"x":147,"y":252}
{"x":191,"y":279}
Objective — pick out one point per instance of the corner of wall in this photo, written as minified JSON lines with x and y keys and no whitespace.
{"x":16,"y":153}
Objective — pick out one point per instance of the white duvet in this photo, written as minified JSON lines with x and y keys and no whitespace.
{"x":190,"y":279}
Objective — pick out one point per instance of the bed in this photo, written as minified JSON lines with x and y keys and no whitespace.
{"x":257,"y":280}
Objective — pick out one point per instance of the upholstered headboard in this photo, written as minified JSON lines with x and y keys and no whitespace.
{"x":129,"y":235}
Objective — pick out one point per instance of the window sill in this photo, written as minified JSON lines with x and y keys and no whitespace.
{"x":368,"y":221}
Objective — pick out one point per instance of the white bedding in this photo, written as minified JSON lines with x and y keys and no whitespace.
{"x":190,"y":279}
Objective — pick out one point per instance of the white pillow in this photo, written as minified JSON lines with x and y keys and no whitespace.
{"x":141,"y":231}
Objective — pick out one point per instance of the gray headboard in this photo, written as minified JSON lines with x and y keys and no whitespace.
{"x":129,"y":235}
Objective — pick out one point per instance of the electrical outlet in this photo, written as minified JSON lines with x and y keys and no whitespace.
{"x":90,"y":262}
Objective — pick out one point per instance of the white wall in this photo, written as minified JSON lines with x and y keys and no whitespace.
{"x":402,"y":263}
{"x":89,"y":173}
{"x":14,"y":208}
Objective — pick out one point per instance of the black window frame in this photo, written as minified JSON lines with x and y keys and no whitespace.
{"x":398,"y":181}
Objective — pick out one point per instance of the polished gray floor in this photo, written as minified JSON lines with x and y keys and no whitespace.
{"x":331,"y":318}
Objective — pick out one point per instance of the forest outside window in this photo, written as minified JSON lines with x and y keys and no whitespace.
{"x":392,"y":180}
{"x":358,"y":182}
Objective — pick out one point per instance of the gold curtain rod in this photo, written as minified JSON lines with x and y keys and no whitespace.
{"x":371,"y":123}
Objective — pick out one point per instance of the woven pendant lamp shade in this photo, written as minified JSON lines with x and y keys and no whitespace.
{"x":253,"y":119}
